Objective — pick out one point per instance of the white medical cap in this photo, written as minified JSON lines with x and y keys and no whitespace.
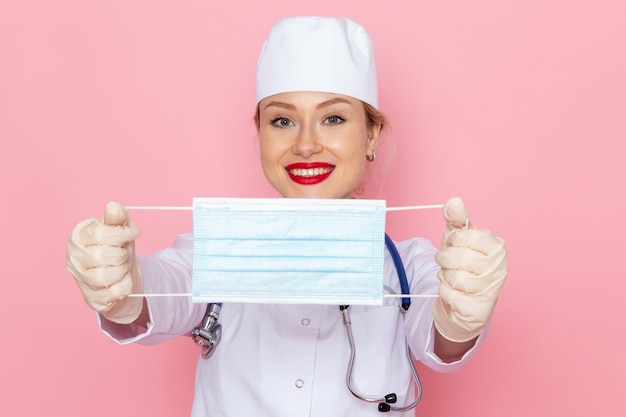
{"x":333,"y":55}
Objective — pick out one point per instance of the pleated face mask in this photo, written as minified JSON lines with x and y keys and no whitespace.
{"x":280,"y":250}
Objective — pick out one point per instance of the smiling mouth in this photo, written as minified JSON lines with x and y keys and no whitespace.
{"x":310,"y":172}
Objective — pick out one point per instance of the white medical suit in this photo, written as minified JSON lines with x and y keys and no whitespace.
{"x":291,"y":360}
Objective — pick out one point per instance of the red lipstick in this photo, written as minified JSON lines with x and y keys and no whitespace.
{"x":309,"y":173}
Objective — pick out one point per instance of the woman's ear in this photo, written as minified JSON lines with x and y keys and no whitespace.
{"x":372,"y":137}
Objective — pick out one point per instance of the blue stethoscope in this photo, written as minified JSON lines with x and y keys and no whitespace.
{"x":208,"y":335}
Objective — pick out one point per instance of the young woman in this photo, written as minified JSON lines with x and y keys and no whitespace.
{"x":318,"y":125}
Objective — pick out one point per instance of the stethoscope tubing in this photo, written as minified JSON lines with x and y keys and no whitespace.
{"x":397,"y":262}
{"x":384,"y":400}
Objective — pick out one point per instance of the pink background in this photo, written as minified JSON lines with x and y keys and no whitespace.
{"x":517,"y":106}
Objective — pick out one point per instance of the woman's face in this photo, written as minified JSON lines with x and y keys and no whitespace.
{"x":313,"y":145}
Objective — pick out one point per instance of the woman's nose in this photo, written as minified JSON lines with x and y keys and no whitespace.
{"x":307,"y":143}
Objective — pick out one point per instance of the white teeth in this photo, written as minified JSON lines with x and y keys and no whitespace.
{"x":311,"y":172}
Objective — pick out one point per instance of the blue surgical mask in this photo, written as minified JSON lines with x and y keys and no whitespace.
{"x":281,"y":250}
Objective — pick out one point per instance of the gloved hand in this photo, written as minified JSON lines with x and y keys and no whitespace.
{"x":473,"y":269}
{"x":101,"y":257}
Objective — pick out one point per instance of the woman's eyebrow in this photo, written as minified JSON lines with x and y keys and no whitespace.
{"x":280,"y":104}
{"x":332,"y":101}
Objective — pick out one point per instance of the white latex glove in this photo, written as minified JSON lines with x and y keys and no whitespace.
{"x":101,"y":257}
{"x":473,"y":269}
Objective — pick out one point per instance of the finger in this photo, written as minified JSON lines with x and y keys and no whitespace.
{"x":470,"y":260}
{"x":480,"y":240}
{"x":456,"y":214}
{"x":116,"y":214}
{"x":464,"y":282}
{"x":101,"y":256}
{"x":468,"y":313}
{"x":97,"y":278}
{"x":92,"y":232}
{"x":102,"y":300}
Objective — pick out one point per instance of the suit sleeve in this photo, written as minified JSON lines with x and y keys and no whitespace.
{"x":418,"y":256}
{"x":168,"y":271}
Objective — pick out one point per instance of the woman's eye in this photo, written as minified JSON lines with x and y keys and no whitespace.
{"x":281,"y":122}
{"x":334,"y":120}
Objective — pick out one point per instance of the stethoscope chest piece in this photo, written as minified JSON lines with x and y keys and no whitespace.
{"x":209,"y":333}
